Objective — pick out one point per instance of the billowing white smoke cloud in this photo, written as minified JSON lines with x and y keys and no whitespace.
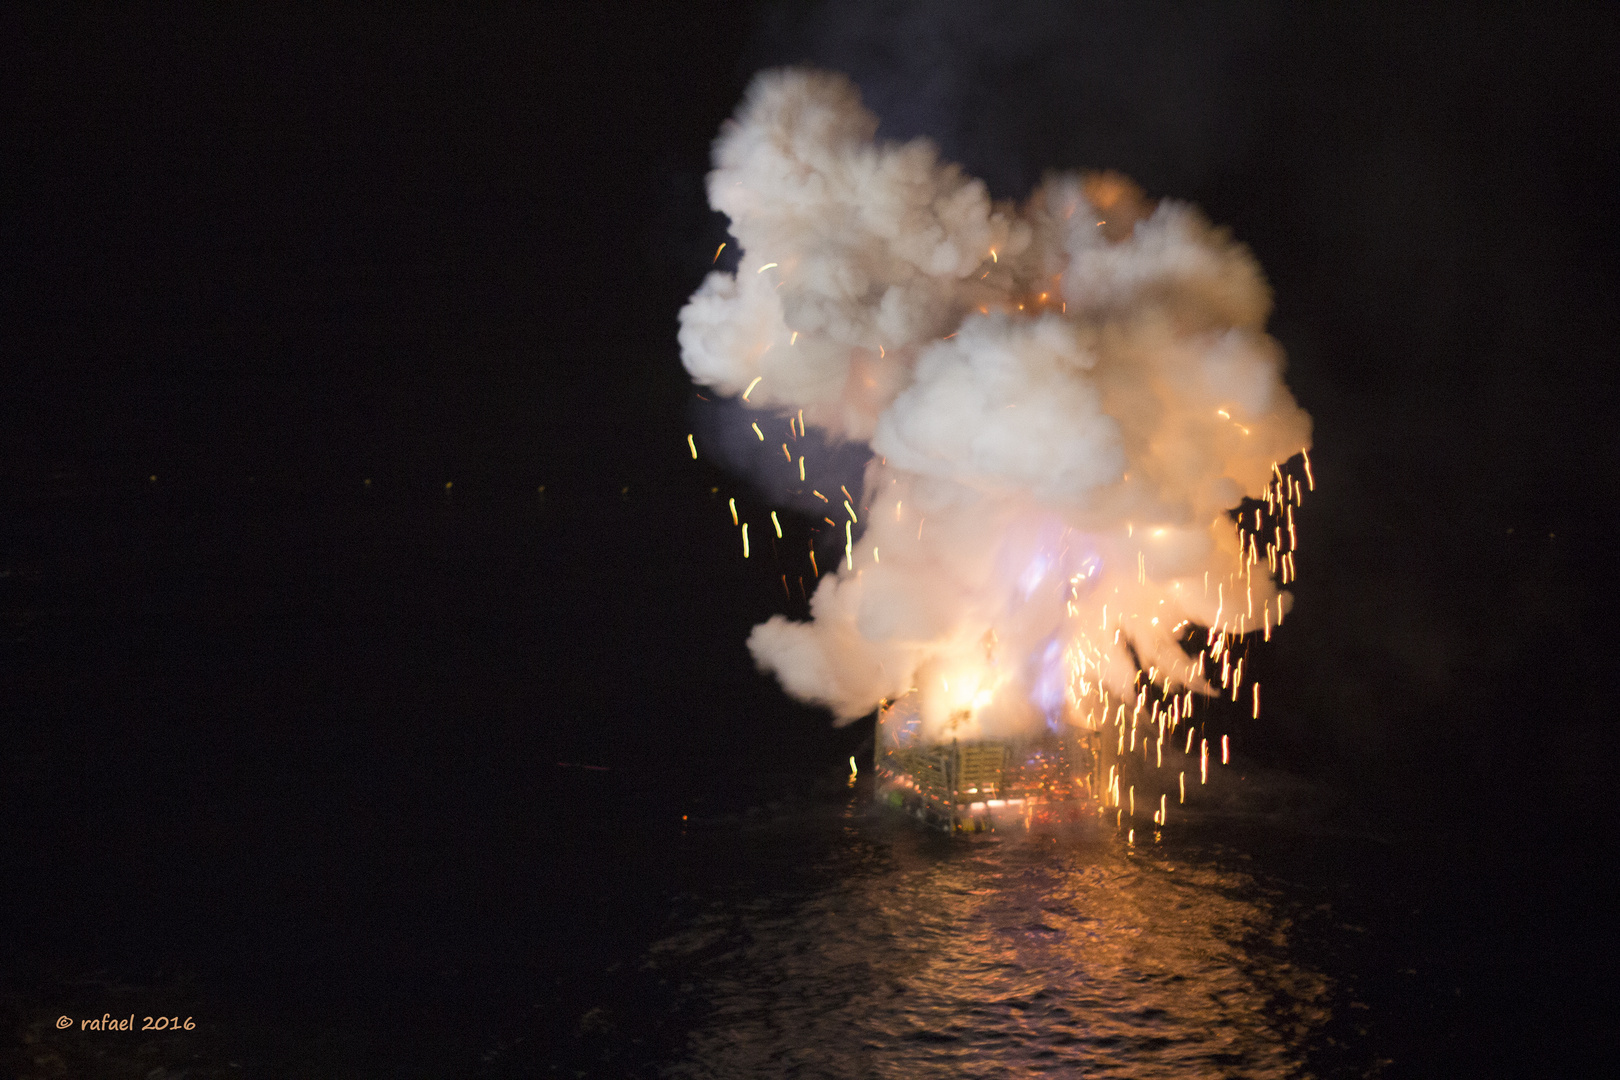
{"x":1064,"y":401}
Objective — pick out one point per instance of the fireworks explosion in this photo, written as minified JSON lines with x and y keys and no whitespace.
{"x":1084,"y":459}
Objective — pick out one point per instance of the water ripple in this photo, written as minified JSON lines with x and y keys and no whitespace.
{"x":897,"y":955}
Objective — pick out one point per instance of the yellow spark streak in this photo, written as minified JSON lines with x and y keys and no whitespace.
{"x":794,"y":340}
{"x":778,"y":525}
{"x":786,"y":452}
{"x":881,"y":353}
{"x":751,"y":386}
{"x":801,"y":467}
{"x":1203,"y":761}
{"x":818,"y":494}
{"x":758,"y":432}
{"x":801,"y":421}
{"x":874,"y":555}
{"x":1226,"y":750}
{"x":851,"y":510}
{"x":849,"y":546}
{"x":733,"y":503}
{"x":764,"y":268}
{"x":993,"y":256}
{"x":745,"y":540}
{"x":1183,"y":781}
{"x":717,"y":252}
{"x":1308,"y":477}
{"x":813,"y":565}
{"x":845,"y":490}
{"x":1163,"y":811}
{"x":1133,"y":800}
{"x":693,"y":446}
{"x":1257,"y":701}
{"x":897,"y":509}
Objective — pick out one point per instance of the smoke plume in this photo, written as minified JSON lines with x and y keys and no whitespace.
{"x":1065,"y":402}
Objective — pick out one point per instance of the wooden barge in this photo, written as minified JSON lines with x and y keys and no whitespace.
{"x":985,"y":785}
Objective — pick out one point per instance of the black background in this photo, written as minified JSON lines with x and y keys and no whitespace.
{"x":259,"y":712}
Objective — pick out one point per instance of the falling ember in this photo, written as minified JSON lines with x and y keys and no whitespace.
{"x":745,"y":539}
{"x":733,"y":504}
{"x":778,"y":525}
{"x":1038,"y":441}
{"x":692,"y":445}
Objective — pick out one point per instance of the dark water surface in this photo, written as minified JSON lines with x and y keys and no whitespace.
{"x":843,"y":943}
{"x":823,"y":937}
{"x":899,"y":956}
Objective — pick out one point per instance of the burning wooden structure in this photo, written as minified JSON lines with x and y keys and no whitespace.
{"x":981,"y":785}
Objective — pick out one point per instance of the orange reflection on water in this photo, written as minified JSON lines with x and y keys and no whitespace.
{"x":907,"y":955}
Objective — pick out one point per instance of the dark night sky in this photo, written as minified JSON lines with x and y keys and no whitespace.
{"x":266,"y":252}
